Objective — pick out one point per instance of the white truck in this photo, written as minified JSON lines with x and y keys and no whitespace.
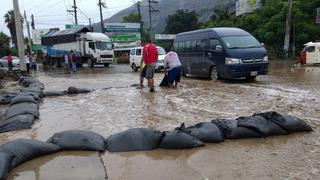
{"x":89,"y":47}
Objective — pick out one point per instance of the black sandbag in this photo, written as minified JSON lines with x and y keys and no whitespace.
{"x":287,"y":122}
{"x":74,"y":90}
{"x":205,"y":132}
{"x":179,"y":140}
{"x":52,"y":93}
{"x":137,"y":139}
{"x":22,"y":121}
{"x":164,"y":82}
{"x":23,"y":98}
{"x":22,"y":150}
{"x":78,"y":140}
{"x":231,"y":130}
{"x":4,"y":165}
{"x":22,"y":108}
{"x":6,"y":98}
{"x":264,"y":126}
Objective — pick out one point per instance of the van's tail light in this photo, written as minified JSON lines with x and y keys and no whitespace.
{"x":233,"y":61}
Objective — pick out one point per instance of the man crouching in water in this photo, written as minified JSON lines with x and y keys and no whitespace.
{"x":149,"y":58}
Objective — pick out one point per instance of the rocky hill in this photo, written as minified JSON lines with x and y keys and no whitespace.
{"x":204,"y":8}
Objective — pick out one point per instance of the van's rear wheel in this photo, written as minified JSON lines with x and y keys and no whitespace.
{"x":214,"y":74}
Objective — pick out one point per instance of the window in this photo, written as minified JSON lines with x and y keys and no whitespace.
{"x":311,"y":49}
{"x":91,"y":45}
{"x":214,"y":43}
{"x":138,"y":52}
{"x":132,"y":53}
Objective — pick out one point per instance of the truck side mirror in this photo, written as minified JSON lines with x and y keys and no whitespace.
{"x":218,"y":48}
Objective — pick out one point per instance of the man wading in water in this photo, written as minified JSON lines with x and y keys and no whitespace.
{"x":149,"y":58}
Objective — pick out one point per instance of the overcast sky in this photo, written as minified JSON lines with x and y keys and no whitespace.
{"x":52,"y":13}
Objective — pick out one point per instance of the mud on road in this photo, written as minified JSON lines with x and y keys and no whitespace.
{"x":288,"y":89}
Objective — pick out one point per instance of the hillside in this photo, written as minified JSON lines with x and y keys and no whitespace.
{"x":204,"y":8}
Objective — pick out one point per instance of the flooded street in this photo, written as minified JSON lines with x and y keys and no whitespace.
{"x":287,"y":89}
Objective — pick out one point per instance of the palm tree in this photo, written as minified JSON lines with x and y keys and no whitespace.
{"x":9,"y":20}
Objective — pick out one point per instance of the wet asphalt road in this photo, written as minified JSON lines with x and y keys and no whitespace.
{"x":287,"y":89}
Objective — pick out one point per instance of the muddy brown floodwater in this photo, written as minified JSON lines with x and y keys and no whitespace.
{"x":287,"y":89}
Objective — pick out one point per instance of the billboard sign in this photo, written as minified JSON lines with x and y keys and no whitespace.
{"x":246,"y":6}
{"x":165,"y":36}
{"x":318,"y":16}
{"x":73,"y":26}
{"x":124,"y":35}
{"x":37,"y":34}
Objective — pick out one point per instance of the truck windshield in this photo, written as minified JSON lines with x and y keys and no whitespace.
{"x":104,"y":45}
{"x":241,"y":42}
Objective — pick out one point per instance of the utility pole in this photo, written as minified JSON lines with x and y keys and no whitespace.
{"x":28,"y":28}
{"x":18,"y":24}
{"x":288,"y":30}
{"x":32,"y":21}
{"x":74,"y":11}
{"x":101,"y":4}
{"x":151,"y":10}
{"x":139,"y":12}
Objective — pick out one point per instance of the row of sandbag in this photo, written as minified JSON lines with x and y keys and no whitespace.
{"x":15,"y":152}
{"x":24,"y":106}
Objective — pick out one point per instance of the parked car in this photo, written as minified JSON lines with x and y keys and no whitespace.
{"x":310,"y":54}
{"x":221,"y":53}
{"x":15,"y":62}
{"x":136,"y":57}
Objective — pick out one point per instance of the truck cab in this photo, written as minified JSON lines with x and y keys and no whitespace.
{"x":99,"y":49}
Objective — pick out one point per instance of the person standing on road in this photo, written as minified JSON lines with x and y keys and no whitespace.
{"x":66,"y":64}
{"x":150,"y":58}
{"x":27,"y":60}
{"x":73,"y":60}
{"x":9,"y":60}
{"x":172,"y":68}
{"x":33,"y":62}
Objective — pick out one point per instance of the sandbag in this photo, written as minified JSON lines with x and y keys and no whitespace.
{"x":52,"y":93}
{"x":205,"y":132}
{"x":6,"y":98}
{"x":287,"y":122}
{"x":22,"y":121}
{"x":179,"y":140}
{"x":22,"y":108}
{"x":264,"y":126}
{"x":78,"y":140}
{"x":4,"y":165}
{"x":22,"y":150}
{"x":74,"y":90}
{"x":231,"y":130}
{"x":137,"y":139}
{"x":164,"y":82}
{"x":23,"y":98}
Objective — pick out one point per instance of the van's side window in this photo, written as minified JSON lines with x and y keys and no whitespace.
{"x":214,"y":43}
{"x":132,"y":53}
{"x":138,"y":52}
{"x":204,"y":44}
{"x":311,"y":49}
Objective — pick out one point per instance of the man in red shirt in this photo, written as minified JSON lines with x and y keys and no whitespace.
{"x":9,"y":59}
{"x":150,"y":58}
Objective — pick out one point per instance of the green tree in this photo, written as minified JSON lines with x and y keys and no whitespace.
{"x":182,"y":21}
{"x":4,"y":44}
{"x":10,"y":21}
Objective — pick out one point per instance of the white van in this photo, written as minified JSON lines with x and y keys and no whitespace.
{"x":136,"y":56}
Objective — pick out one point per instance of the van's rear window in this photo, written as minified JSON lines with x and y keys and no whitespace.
{"x":239,"y":42}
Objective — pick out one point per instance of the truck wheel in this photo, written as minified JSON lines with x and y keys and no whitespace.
{"x":90,"y":63}
{"x":214,"y":74}
{"x":134,"y":67}
{"x":106,"y":65}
